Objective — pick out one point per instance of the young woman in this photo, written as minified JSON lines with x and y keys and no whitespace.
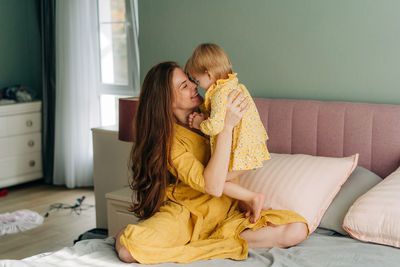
{"x":179,"y":185}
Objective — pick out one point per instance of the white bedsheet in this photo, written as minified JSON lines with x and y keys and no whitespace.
{"x":322,"y":248}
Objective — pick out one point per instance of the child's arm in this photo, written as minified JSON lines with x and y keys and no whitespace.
{"x":215,"y":122}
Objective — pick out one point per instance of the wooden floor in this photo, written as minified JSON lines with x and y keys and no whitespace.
{"x":58,"y":230}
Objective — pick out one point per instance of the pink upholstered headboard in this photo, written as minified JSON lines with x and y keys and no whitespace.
{"x":335,"y":129}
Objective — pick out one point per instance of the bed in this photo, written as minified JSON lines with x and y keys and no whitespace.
{"x":318,"y":128}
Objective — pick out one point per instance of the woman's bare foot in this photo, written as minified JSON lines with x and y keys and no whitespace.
{"x":256,"y":204}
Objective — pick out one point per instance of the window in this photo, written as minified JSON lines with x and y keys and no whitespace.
{"x":119,"y":60}
{"x":109,"y":109}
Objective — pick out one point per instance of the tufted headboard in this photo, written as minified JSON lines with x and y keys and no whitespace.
{"x":335,"y":129}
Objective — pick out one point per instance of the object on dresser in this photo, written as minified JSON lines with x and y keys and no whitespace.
{"x":127,"y":112}
{"x":20,"y":143}
{"x":16,"y":93}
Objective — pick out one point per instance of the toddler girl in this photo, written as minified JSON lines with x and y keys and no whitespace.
{"x":211,"y":68}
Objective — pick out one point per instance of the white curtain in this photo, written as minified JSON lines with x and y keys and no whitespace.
{"x":77,"y":80}
{"x":135,"y":47}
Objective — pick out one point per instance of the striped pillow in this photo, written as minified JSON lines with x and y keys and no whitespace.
{"x":301,"y":183}
{"x":374,"y":217}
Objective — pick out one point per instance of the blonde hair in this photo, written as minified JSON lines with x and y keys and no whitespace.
{"x":211,"y":58}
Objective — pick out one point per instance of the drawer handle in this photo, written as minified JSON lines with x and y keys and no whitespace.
{"x":31,"y":143}
{"x":29,"y":123}
{"x":32,"y":163}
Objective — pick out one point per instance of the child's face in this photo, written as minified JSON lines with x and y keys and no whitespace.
{"x":205,"y":80}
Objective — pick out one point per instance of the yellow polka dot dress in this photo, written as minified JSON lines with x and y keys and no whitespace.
{"x":248,"y":143}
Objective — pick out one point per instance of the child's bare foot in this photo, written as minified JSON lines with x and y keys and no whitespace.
{"x":257,"y":204}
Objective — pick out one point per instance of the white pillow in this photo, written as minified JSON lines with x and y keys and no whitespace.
{"x":375,"y":216}
{"x":301,"y":183}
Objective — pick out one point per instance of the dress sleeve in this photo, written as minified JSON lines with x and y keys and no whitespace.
{"x":215,"y":122}
{"x":188,"y":168}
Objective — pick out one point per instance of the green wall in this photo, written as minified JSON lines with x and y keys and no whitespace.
{"x":308,"y":49}
{"x":20,"y":47}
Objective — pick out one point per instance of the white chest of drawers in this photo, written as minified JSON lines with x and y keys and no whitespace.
{"x":20,"y":143}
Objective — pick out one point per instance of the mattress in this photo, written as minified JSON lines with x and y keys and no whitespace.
{"x":321,"y":248}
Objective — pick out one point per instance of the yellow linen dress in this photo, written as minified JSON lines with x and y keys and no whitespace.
{"x":248,"y":141}
{"x":193,"y":225}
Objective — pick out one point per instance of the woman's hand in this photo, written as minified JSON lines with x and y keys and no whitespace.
{"x":237,"y":106}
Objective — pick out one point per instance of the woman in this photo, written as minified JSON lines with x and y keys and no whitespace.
{"x":187,"y":218}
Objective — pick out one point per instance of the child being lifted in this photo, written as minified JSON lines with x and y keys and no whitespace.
{"x":211,"y":68}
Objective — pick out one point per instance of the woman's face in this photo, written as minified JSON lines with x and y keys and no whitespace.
{"x":186,"y":96}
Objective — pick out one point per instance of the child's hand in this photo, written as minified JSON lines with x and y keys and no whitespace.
{"x":245,"y":208}
{"x":190,"y":119}
{"x":195,"y":119}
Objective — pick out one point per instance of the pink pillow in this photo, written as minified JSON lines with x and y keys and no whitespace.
{"x":374,"y":217}
{"x":301,"y":183}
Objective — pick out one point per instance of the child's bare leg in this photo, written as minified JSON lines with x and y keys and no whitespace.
{"x":255,"y":200}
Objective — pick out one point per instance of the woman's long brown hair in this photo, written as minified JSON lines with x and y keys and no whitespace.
{"x":154,"y":128}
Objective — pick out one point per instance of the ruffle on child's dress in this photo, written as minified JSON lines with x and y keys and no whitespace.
{"x":18,"y":221}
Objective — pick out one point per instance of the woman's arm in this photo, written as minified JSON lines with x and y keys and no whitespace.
{"x":215,"y":173}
